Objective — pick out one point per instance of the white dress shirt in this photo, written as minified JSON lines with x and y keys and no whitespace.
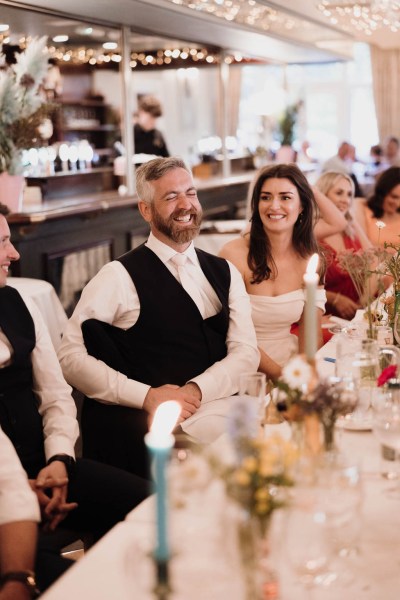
{"x":17,"y":501}
{"x":111,"y":297}
{"x":55,"y":403}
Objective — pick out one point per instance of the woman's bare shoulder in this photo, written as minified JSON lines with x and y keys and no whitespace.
{"x":235,"y":250}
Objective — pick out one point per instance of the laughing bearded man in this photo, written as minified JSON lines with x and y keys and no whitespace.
{"x":147,"y":329}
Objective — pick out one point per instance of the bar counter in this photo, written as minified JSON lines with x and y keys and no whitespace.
{"x":46,"y":232}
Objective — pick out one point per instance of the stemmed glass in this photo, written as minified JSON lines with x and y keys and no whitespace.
{"x":325,"y":513}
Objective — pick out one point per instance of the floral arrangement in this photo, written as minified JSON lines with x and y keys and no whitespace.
{"x":361,"y":265}
{"x":328,"y":398}
{"x":257,"y":481}
{"x":301,"y":394}
{"x":22,"y":110}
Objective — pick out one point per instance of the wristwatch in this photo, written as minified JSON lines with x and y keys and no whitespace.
{"x":68,"y":461}
{"x":27,"y":578}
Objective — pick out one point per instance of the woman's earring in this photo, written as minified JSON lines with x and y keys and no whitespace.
{"x":300,"y":218}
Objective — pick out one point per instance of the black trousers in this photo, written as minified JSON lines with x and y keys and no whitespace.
{"x":104,"y":495}
{"x":115,"y":435}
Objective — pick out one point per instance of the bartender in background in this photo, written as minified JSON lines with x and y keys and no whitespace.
{"x":148,"y":139}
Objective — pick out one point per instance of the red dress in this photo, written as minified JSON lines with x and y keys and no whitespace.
{"x":337,"y":280}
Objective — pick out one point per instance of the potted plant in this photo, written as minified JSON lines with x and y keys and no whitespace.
{"x":286,"y":130}
{"x":22,"y":112}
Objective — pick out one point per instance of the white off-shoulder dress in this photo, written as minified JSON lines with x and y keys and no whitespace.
{"x":273,"y":317}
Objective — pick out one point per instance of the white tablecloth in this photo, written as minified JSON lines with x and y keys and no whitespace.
{"x":119,"y":565}
{"x":45,"y":297}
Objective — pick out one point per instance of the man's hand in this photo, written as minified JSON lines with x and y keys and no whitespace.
{"x":187,"y":397}
{"x":54,"y":507}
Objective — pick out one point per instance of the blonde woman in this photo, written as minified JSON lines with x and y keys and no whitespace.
{"x":342,"y":296}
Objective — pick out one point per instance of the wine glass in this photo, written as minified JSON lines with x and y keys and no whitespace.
{"x":386,"y":427}
{"x":327,"y":514}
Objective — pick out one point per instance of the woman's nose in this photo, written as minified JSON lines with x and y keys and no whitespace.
{"x":13,"y":254}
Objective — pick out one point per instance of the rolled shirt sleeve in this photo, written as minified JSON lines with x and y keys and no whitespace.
{"x":55,"y":403}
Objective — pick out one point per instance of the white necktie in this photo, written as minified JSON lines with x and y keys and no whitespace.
{"x":187,"y":280}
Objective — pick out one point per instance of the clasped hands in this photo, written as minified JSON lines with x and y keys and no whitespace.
{"x":188,"y":396}
{"x":51,"y":489}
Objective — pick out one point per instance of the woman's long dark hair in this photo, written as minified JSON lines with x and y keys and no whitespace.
{"x":260,"y":260}
{"x":388,"y":180}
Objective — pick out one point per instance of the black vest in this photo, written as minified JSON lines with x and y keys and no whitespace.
{"x":19,"y":415}
{"x":170,"y":342}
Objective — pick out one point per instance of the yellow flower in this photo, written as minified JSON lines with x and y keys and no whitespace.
{"x":261,"y":495}
{"x":262,"y":508}
{"x":267,"y":466}
{"x":242,"y":477}
{"x":250,"y":464}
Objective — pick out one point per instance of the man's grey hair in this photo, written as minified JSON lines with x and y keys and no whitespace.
{"x":153,"y":170}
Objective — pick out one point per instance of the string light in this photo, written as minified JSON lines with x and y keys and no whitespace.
{"x":364,"y":16}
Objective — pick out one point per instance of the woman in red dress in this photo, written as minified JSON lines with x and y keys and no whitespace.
{"x":342,"y":296}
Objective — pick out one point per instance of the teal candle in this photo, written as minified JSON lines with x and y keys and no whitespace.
{"x":159,"y":455}
{"x":159,"y":442}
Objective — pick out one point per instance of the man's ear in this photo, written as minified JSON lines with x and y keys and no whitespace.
{"x":145,"y":210}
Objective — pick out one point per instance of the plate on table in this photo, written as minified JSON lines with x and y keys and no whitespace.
{"x":355,"y":423}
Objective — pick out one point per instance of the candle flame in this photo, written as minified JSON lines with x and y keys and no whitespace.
{"x":165,"y":418}
{"x":312,"y":264}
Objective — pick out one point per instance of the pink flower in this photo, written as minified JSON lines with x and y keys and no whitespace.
{"x":387,"y":374}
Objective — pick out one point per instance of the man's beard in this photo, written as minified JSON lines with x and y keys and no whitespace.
{"x":173,"y":230}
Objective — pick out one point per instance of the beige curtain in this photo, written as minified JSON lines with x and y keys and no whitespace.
{"x":386,"y":85}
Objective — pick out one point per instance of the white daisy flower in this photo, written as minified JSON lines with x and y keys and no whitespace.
{"x":297,"y":373}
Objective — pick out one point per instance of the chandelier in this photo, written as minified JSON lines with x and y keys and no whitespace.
{"x":364,"y":16}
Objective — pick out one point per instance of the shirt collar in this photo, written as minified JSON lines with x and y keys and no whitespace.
{"x":165,"y":252}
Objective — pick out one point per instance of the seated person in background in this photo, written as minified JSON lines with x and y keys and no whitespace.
{"x":342,"y":296}
{"x":272,"y":259}
{"x":148,"y":329}
{"x":342,"y":162}
{"x":148,"y":139}
{"x":383,"y":205}
{"x":38,"y":415}
{"x":19,"y":515}
{"x":375,"y":160}
{"x":391,"y":152}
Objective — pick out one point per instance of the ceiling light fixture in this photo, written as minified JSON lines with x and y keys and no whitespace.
{"x":364,"y":16}
{"x":110,"y":45}
{"x":60,"y":38}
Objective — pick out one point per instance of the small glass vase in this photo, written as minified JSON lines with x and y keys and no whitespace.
{"x":328,"y":433}
{"x":260,"y":581}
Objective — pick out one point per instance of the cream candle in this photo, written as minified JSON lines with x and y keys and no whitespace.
{"x":311,"y":279}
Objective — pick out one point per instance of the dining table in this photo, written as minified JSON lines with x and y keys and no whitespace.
{"x":203,"y":564}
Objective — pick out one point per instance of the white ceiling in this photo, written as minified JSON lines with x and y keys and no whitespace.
{"x":323,"y":42}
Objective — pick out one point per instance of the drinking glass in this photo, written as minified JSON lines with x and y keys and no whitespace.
{"x":252,"y":388}
{"x":362,"y":360}
{"x":386,"y":427}
{"x":327,"y":514}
